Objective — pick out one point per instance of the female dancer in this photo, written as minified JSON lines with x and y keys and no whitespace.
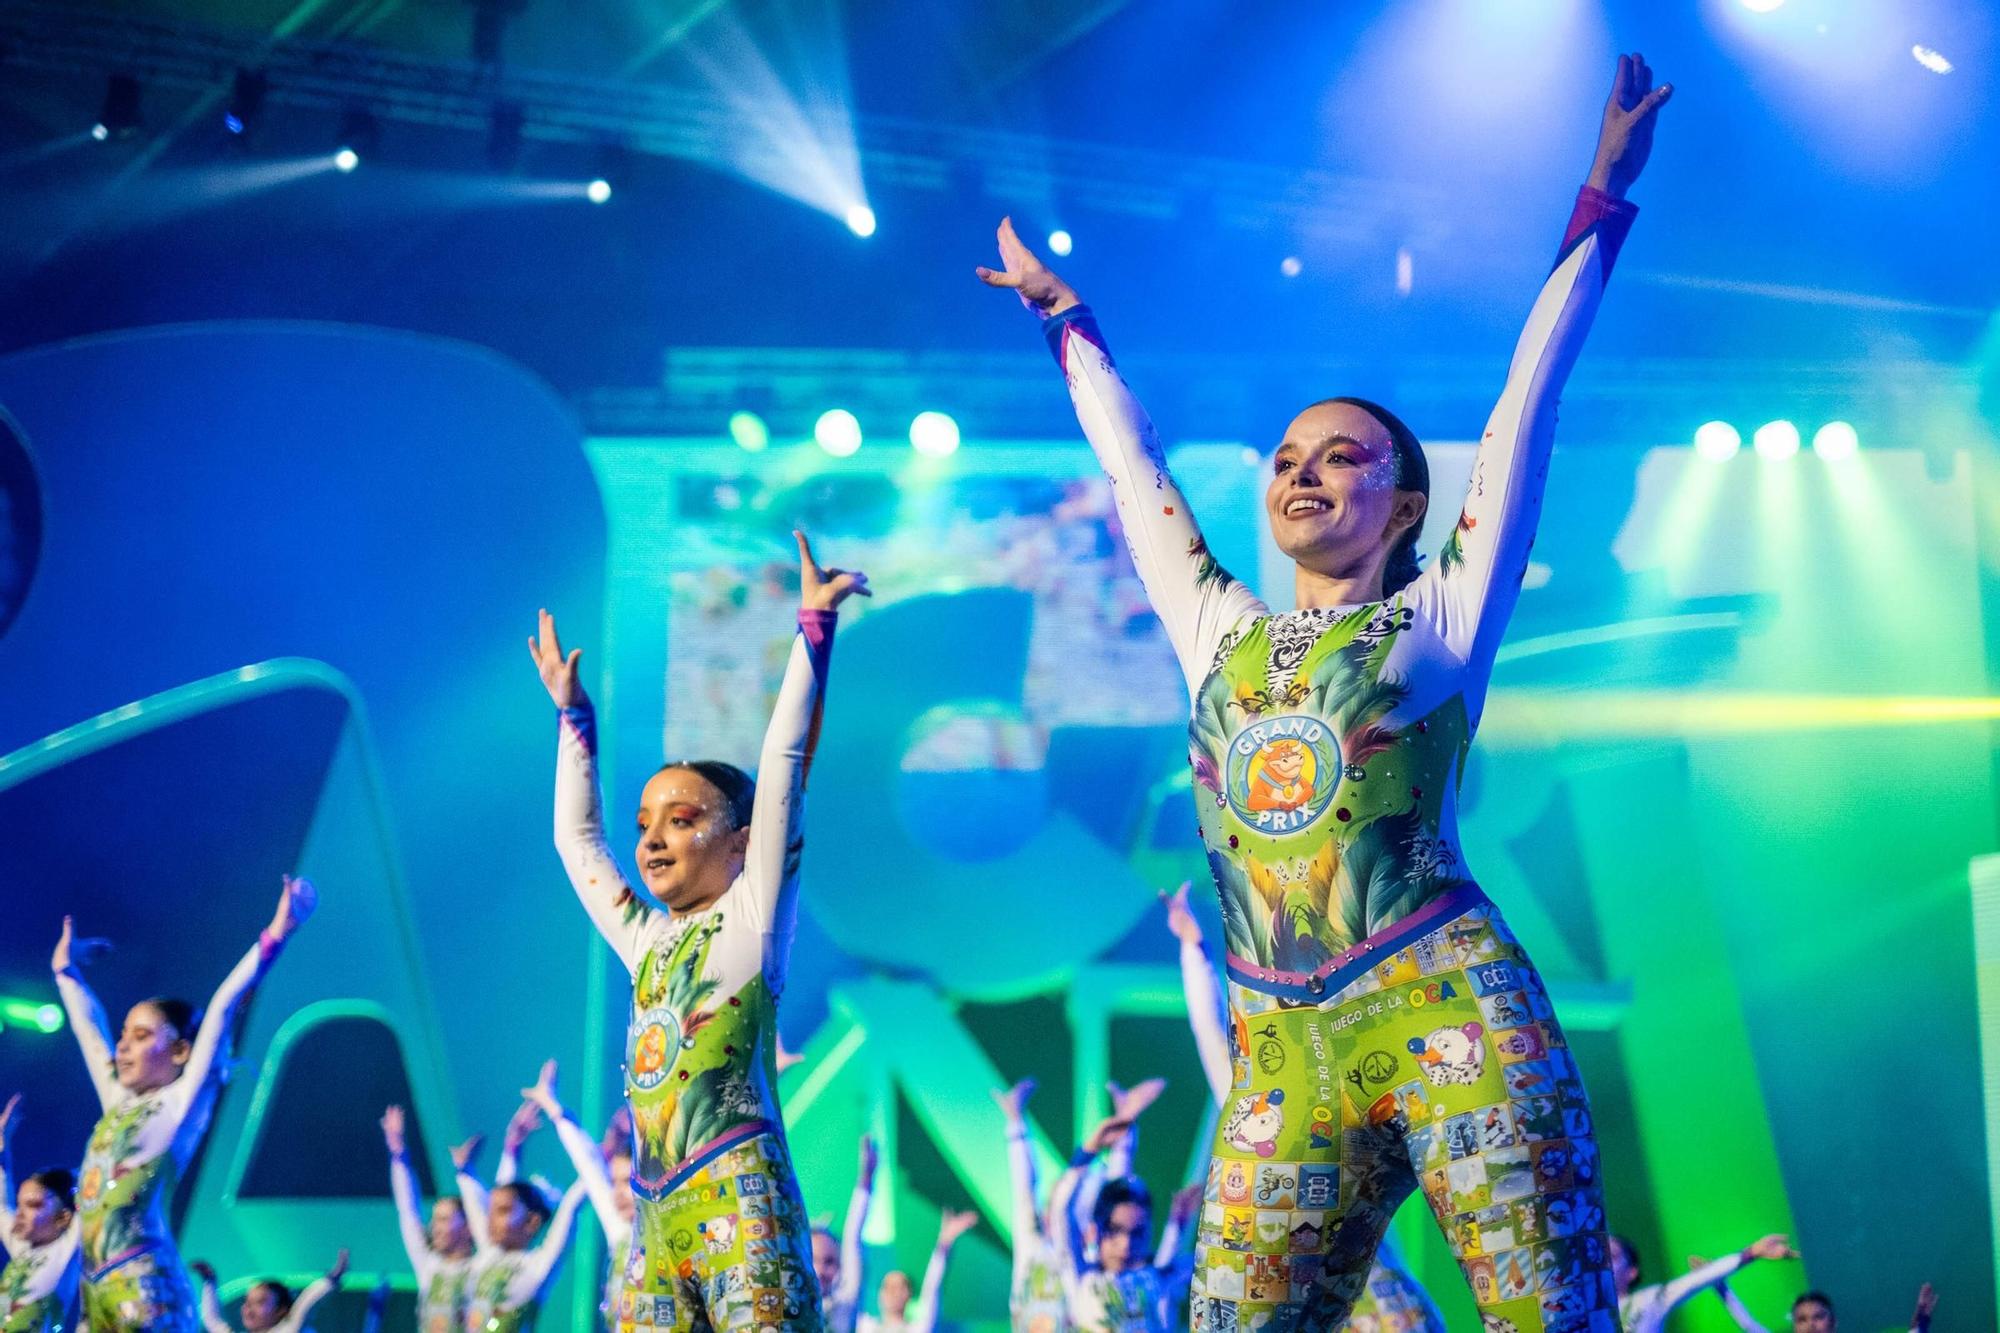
{"x":269,"y":1304}
{"x":837,"y":1260}
{"x":1400,"y":1035}
{"x":893,"y":1296}
{"x":707,"y":949}
{"x":38,"y":1227}
{"x":1036,"y":1301}
{"x":157,"y":1091}
{"x":1114,"y":1279}
{"x":606,"y":1177}
{"x":439,"y":1247}
{"x":1645,"y":1309}
{"x":518,"y":1241}
{"x":1393,"y":1301}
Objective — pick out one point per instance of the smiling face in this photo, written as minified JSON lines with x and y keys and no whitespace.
{"x":1332,"y":501}
{"x":151,"y":1051}
{"x":40,"y":1216}
{"x":689,"y":849}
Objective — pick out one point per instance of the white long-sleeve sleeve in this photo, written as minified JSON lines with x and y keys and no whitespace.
{"x":769,"y":885}
{"x":924,"y":1310}
{"x":474,"y":1200}
{"x":847,"y":1292}
{"x":409,"y":1217}
{"x":1197,"y":601}
{"x":211,"y":1311}
{"x":302,"y":1306}
{"x":615,"y":907}
{"x":1646,"y":1310}
{"x":595,"y":1176}
{"x":93,"y":1032}
{"x":1026,"y":1217}
{"x":1468,"y":593}
{"x":1202,"y":990}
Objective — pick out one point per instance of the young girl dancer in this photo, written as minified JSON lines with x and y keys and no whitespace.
{"x":157,"y":1087}
{"x":38,"y":1227}
{"x":707,"y":948}
{"x":269,"y":1306}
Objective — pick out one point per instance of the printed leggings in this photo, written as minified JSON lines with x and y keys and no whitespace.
{"x":725,"y":1245}
{"x":145,"y":1293}
{"x":1433,"y":1062}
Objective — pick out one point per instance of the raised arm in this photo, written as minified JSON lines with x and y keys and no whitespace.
{"x":86,"y":1015}
{"x":547,"y":1257}
{"x":924,"y":1312}
{"x":316,"y":1291}
{"x":1671,"y":1294}
{"x":1171,"y":1255}
{"x":403,"y":1188}
{"x":1203,"y":991}
{"x":1469,"y":592}
{"x":1025,"y":1218}
{"x":1195,"y":598}
{"x":472,"y":1196}
{"x":297,"y":900}
{"x":848,"y":1291}
{"x":771,"y":860}
{"x":1063,"y":1227}
{"x":521,"y":1126}
{"x":592,"y":1172}
{"x":8,"y":1119}
{"x":616,"y":909}
{"x":211,"y":1303}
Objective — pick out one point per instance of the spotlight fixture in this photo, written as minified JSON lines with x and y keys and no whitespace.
{"x":749,"y":432}
{"x":1060,"y":243}
{"x":1931,"y":60}
{"x":119,"y":117}
{"x":246,"y":100}
{"x":861,"y":220}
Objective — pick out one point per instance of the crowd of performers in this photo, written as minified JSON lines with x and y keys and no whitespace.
{"x":1378,"y":1032}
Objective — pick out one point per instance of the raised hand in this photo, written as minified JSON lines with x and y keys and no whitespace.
{"x":618,"y":1134}
{"x":1775,"y":1246}
{"x":870,"y":1155}
{"x":558,"y":670}
{"x":1013,"y":1102}
{"x":204,"y":1270}
{"x":527,"y":1118}
{"x":825,"y":589}
{"x":1187,"y":1202}
{"x":1926,"y":1303}
{"x":1107,"y":1132}
{"x":392,"y":1130}
{"x":297,"y":901}
{"x":1626,"y":139}
{"x":73,"y":952}
{"x":953,"y":1225}
{"x":1022,"y":270}
{"x":543,"y":1094}
{"x":1180,"y":919}
{"x":339,"y":1269}
{"x":1128,"y":1104}
{"x":462,"y":1154}
{"x":7,"y":1120}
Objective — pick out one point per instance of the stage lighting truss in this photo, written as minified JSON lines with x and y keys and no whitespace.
{"x":648,"y":118}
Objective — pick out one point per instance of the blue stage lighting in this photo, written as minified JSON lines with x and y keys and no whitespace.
{"x":1717,"y":441}
{"x":934,"y":434}
{"x":838,"y":432}
{"x":1776,"y":439}
{"x":1836,"y":440}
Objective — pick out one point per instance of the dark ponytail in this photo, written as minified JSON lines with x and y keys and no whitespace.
{"x":1413,"y":473}
{"x":179,"y":1014}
